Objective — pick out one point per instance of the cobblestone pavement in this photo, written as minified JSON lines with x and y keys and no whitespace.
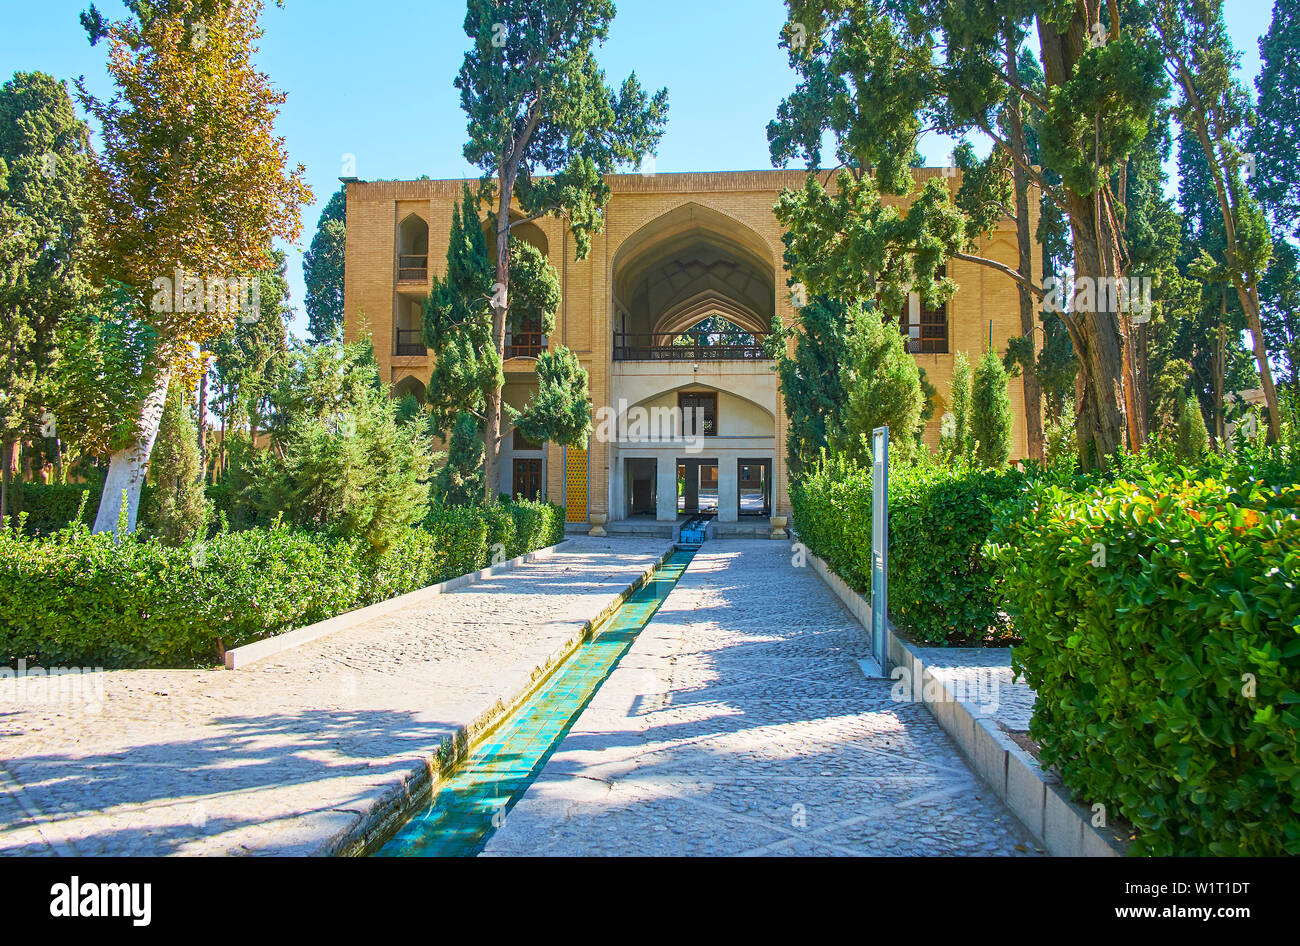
{"x":740,"y":723}
{"x":286,"y":755}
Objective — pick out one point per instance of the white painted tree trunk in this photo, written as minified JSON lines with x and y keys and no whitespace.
{"x":127,"y":468}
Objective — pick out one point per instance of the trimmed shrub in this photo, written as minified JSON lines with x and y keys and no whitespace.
{"x":537,"y":525}
{"x":831,"y":503}
{"x":77,"y":599}
{"x":500,"y":532}
{"x":942,"y":589}
{"x":1161,"y":626}
{"x":49,"y":508}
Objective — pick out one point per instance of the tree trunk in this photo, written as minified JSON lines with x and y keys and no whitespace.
{"x":7,"y":457}
{"x":127,"y":467}
{"x":1025,"y":265}
{"x":1101,"y":396}
{"x":1250,"y":302}
{"x":203,"y":424}
{"x":500,"y":302}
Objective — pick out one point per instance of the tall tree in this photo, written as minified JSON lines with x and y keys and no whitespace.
{"x":810,"y":377}
{"x":322,"y":271}
{"x":538,"y":104}
{"x":1275,"y":182}
{"x":44,"y":152}
{"x":468,"y":366}
{"x":1199,"y":58}
{"x":246,"y":360}
{"x":1275,"y":139}
{"x":192,"y":184}
{"x":871,"y":77}
{"x":882,"y":387}
{"x":990,"y":418}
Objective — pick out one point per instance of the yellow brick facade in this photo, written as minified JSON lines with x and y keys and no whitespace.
{"x":738,"y":202}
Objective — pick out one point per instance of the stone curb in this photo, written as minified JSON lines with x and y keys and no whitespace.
{"x":390,"y":810}
{"x":1037,"y":798}
{"x":260,"y":650}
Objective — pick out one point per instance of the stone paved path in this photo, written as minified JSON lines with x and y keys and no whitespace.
{"x":740,"y":723}
{"x":284,"y":756}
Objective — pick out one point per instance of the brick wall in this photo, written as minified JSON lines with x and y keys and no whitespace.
{"x":744,"y":198}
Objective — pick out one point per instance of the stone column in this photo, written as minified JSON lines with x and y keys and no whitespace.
{"x":692,"y":487}
{"x":666,"y":490}
{"x":728,"y":489}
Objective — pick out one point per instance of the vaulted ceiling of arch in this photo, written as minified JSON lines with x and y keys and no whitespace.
{"x":681,"y":276}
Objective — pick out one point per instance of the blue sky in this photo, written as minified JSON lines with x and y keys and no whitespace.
{"x":374,"y":80}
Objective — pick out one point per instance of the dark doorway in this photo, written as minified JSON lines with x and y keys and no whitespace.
{"x":528,"y":479}
{"x":754,"y":487}
{"x":697,"y":487}
{"x":641,"y":494}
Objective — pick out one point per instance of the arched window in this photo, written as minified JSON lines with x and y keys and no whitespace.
{"x":413,"y":249}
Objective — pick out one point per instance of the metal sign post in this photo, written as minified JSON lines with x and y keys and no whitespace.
{"x":880,"y":546}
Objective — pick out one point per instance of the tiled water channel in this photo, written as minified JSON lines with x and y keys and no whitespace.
{"x":467,"y":806}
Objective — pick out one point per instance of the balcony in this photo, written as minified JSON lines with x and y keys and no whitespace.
{"x":525,"y":345}
{"x":692,"y":346}
{"x":412,"y":268}
{"x":410,"y":341}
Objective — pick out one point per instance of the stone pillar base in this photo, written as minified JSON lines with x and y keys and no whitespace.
{"x":597,"y":521}
{"x":778,"y":526}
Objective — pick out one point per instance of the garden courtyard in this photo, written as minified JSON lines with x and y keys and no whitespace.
{"x":738,"y":722}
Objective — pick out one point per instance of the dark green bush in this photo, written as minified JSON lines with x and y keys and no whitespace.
{"x":941,"y":587}
{"x":537,"y":525}
{"x":79,"y":599}
{"x":1161,"y":626}
{"x":500,"y":532}
{"x":50,"y":508}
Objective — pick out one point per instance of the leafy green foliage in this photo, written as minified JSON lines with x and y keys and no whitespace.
{"x":458,"y":323}
{"x":560,"y":411}
{"x":990,"y":419}
{"x":344,"y":463}
{"x":1166,"y":667}
{"x":468,"y":366}
{"x":882,"y":386}
{"x":537,"y":102}
{"x":810,"y":378}
{"x":1275,"y":139}
{"x":460,"y":481}
{"x":180,"y":510}
{"x":942,"y":589}
{"x":322,"y":271}
{"x":960,"y":445}
{"x":142,"y":603}
{"x":44,"y":154}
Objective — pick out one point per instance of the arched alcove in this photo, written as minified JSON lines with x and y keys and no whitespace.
{"x":413,"y":248}
{"x":687,"y":265}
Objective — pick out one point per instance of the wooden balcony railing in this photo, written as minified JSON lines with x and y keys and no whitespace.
{"x":410,"y":341}
{"x":525,"y":345}
{"x":702,"y":346}
{"x":412,"y":268}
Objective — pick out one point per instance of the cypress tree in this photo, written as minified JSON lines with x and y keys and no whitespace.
{"x":991,"y":412}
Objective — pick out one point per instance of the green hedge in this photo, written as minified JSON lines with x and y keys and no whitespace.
{"x":942,"y":588}
{"x":76,"y":599}
{"x":1161,"y":626}
{"x":50,"y":508}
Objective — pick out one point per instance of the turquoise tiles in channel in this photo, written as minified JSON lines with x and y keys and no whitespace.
{"x":473,"y":801}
